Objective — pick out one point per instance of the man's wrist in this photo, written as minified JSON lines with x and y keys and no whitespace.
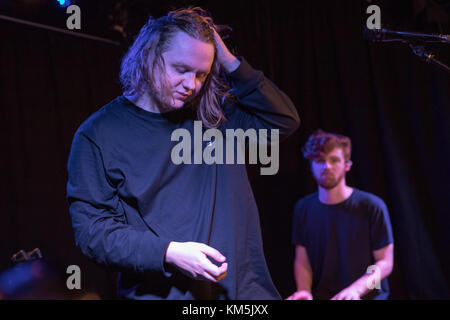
{"x":169,"y":253}
{"x":230,"y":63}
{"x":360,"y":287}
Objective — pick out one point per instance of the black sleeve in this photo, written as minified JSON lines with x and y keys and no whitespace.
{"x":98,"y":218}
{"x":261,"y":105}
{"x":380,"y":227}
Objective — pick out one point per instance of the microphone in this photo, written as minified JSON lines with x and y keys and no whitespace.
{"x":385,"y":35}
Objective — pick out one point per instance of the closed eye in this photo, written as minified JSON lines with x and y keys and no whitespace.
{"x":181,"y":70}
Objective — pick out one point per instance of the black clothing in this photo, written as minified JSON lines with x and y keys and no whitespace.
{"x":340,"y":239}
{"x":128,"y":200}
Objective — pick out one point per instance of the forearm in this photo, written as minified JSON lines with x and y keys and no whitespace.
{"x":303,"y":277}
{"x":230,"y":63}
{"x":105,"y":239}
{"x":265,"y":106}
{"x":100,"y":226}
{"x":380,"y":270}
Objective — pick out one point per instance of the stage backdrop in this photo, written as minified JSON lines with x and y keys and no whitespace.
{"x":394,"y":107}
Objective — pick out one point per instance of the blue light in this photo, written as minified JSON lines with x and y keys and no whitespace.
{"x":12,"y":280}
{"x":64,"y":3}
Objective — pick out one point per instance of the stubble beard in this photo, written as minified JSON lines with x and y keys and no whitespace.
{"x":164,"y":101}
{"x":329,"y":182}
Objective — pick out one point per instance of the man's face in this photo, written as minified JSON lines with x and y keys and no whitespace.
{"x":188,"y":62}
{"x":329,"y":170}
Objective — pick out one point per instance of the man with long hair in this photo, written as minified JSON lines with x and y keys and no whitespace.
{"x":175,"y":231}
{"x":342,"y":235}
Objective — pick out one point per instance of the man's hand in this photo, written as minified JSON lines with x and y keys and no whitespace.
{"x":349,"y":293}
{"x":191,"y":257}
{"x":225,"y":58}
{"x":300,"y":295}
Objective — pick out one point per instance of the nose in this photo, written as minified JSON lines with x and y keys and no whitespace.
{"x":326,"y":165}
{"x":189,"y":81}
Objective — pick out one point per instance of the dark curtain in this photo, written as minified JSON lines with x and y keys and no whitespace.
{"x":49,"y":84}
{"x":394,"y":107}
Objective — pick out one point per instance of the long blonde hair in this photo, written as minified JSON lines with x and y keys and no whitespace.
{"x":145,"y":56}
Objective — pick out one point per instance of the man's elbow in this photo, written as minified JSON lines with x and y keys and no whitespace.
{"x":389,"y":268}
{"x":296,"y":123}
{"x":386,"y":266}
{"x":291,"y":125}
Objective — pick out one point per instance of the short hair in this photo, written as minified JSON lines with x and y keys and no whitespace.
{"x":320,"y":143}
{"x":145,"y":56}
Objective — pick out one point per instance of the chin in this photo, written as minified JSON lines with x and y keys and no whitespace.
{"x":328,"y":186}
{"x":178,"y":105}
{"x":174,"y":105}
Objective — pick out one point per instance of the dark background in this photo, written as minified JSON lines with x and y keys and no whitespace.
{"x":394,"y":106}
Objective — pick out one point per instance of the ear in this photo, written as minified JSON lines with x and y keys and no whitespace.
{"x":348,"y":165}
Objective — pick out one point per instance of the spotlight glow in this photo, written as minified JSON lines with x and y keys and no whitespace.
{"x":64,"y":3}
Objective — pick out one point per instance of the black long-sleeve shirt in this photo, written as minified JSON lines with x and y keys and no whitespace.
{"x":128,"y":200}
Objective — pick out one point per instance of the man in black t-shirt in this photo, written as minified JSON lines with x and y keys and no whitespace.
{"x":343,"y":236}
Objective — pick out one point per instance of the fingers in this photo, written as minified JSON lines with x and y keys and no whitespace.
{"x":215,"y":271}
{"x":223,"y":272}
{"x":300,"y":295}
{"x":346,"y":297}
{"x":208,"y":276}
{"x":223,"y":268}
{"x":217,"y":38}
{"x":221,"y":277}
{"x":211,"y":272}
{"x":293,"y":296}
{"x":218,"y":273}
{"x":213,"y":253}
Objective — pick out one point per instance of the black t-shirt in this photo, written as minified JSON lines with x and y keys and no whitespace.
{"x":340,"y":240}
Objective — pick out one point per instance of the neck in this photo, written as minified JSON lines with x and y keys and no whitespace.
{"x":336,"y":195}
{"x":144,"y":101}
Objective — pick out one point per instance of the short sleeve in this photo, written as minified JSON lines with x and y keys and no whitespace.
{"x":380,"y":228}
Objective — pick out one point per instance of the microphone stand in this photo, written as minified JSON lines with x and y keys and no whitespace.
{"x":419,"y":50}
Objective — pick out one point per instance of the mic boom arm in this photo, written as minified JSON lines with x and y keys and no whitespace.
{"x":415,"y":41}
{"x":385,"y":35}
{"x":419,"y":50}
